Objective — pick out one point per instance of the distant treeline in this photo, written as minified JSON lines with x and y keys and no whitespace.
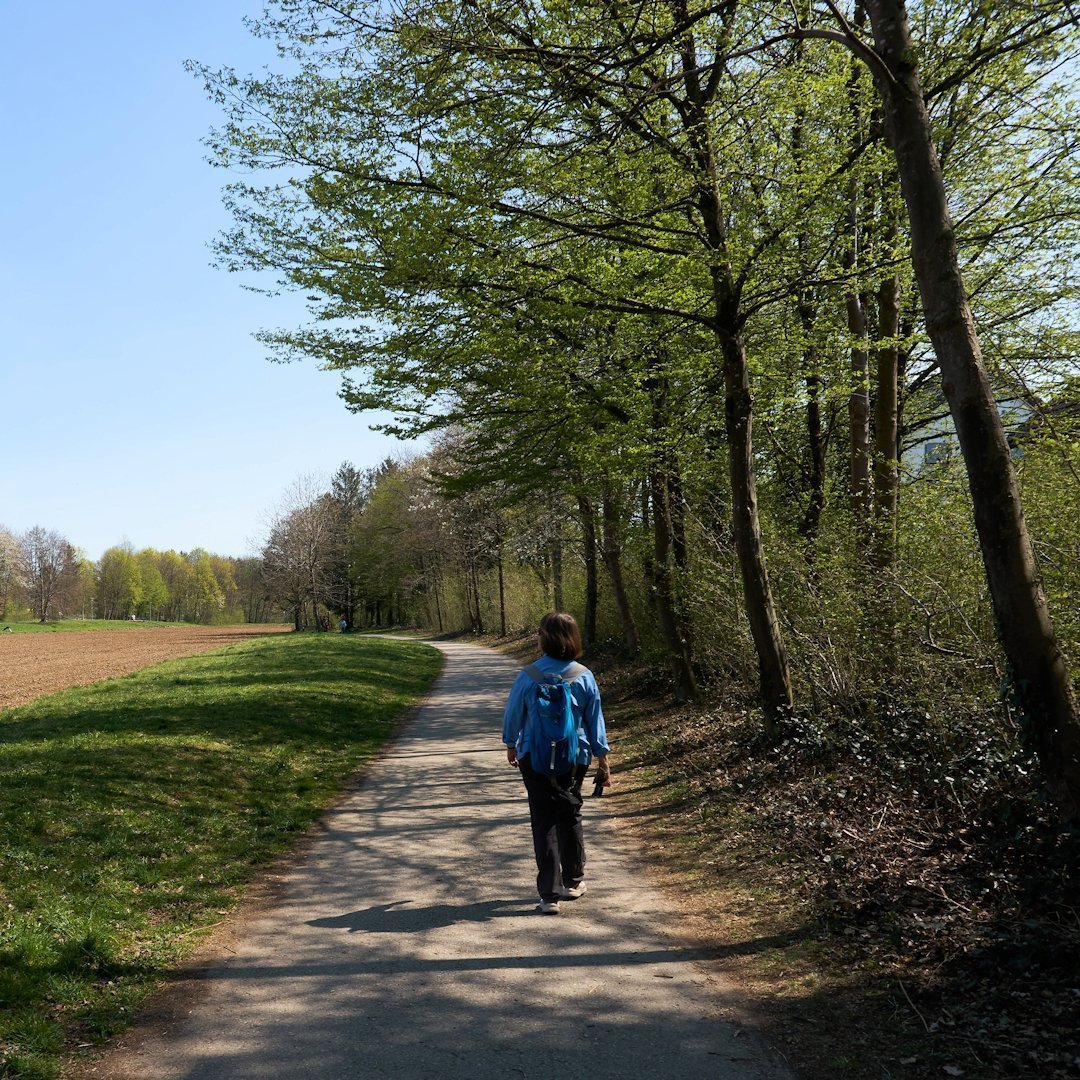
{"x":43,"y":576}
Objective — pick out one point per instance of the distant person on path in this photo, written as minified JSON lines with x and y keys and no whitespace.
{"x":554,"y":790}
{"x":343,"y":625}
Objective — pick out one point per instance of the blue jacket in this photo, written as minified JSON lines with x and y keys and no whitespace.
{"x":520,"y":712}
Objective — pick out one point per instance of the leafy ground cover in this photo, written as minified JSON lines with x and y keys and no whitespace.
{"x":894,"y":923}
{"x":134,"y":811}
{"x":894,"y":901}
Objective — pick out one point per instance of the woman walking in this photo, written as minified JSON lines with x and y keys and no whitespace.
{"x":553,"y":775}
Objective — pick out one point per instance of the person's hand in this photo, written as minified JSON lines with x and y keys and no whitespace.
{"x":603,"y":772}
{"x":511,"y":756}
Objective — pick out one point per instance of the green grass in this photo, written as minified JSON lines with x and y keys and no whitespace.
{"x":64,"y":625}
{"x":133,"y":811}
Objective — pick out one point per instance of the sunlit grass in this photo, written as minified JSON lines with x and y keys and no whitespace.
{"x":133,"y":811}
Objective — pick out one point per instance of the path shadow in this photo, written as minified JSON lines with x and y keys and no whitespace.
{"x":392,"y":918}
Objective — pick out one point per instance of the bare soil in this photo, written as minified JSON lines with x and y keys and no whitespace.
{"x":36,"y":664}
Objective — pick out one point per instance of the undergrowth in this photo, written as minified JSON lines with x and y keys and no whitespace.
{"x":926,"y":891}
{"x":887,"y":883}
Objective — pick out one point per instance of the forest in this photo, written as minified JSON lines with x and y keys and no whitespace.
{"x":747,"y":332}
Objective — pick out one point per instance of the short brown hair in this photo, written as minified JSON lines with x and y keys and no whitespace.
{"x":560,"y":636}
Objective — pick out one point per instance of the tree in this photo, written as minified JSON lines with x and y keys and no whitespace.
{"x":350,"y":489}
{"x":256,"y":601}
{"x":208,"y":592}
{"x":1040,"y":679}
{"x":495,"y":182}
{"x":381,"y":546}
{"x":298,"y":553}
{"x":475,"y":189}
{"x":49,"y":568}
{"x":11,"y":568}
{"x":178,"y":574}
{"x":153,"y":590}
{"x":119,"y":583}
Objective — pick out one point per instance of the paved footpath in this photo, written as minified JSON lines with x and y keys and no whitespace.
{"x":405,"y":943}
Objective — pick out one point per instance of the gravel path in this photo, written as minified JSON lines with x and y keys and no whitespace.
{"x":404,"y":942}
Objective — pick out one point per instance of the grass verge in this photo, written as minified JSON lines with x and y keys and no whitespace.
{"x":135,"y":810}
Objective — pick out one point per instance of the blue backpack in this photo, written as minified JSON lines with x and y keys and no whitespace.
{"x":553,"y":742}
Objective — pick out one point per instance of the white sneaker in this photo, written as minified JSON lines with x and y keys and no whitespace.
{"x":572,"y":892}
{"x":548,"y":907}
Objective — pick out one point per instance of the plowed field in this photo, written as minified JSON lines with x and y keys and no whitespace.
{"x":36,"y":664}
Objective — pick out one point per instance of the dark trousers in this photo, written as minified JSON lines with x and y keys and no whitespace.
{"x":555,"y":814}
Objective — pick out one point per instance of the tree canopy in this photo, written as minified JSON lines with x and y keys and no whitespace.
{"x":709,"y":271}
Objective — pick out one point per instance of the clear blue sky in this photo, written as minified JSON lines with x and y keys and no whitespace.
{"x":134,"y":403}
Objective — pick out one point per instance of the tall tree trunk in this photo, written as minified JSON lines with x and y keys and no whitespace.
{"x":903,"y":356}
{"x":680,"y":549}
{"x":470,"y":615}
{"x":502,"y":596}
{"x":431,"y":588}
{"x":855,"y":309}
{"x":815,"y":429}
{"x":470,"y":609}
{"x":816,"y":444}
{"x":588,"y":539}
{"x":479,"y":620}
{"x":669,"y":536}
{"x":557,"y":569}
{"x":859,"y":411}
{"x":674,"y":640}
{"x":611,"y":553}
{"x":1040,"y":679}
{"x":775,"y":679}
{"x":648,"y":563}
{"x":814,"y":381}
{"x":886,"y":408}
{"x":859,"y":453}
{"x":545,"y":579}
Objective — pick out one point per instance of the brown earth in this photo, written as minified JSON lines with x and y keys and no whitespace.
{"x":36,"y":664}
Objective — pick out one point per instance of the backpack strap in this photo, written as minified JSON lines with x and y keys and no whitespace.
{"x":569,"y":675}
{"x":573,"y":671}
